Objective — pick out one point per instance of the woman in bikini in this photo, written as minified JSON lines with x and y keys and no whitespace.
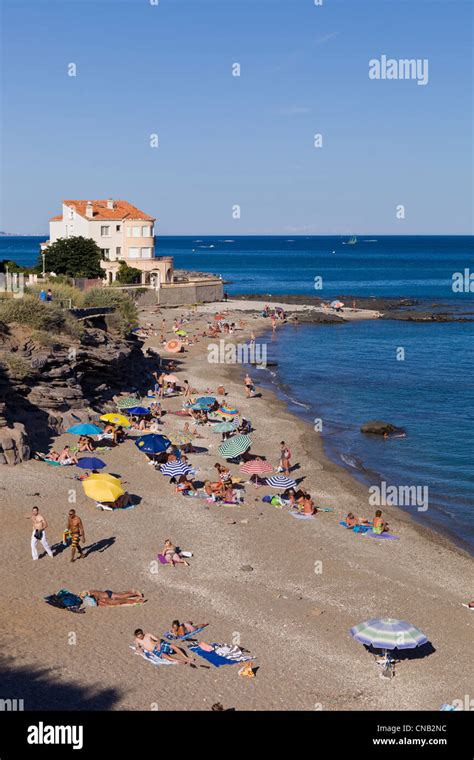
{"x":171,"y":555}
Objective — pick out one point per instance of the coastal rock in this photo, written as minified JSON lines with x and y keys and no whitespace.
{"x":247,"y":568}
{"x":379,"y":427}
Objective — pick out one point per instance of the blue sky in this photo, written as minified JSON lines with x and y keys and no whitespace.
{"x":248,"y":140}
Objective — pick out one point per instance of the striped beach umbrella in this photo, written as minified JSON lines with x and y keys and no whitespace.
{"x":90,"y":463}
{"x":174,"y":469}
{"x":153,"y":443}
{"x":85,"y":428}
{"x":224,"y":427}
{"x":280,"y":481}
{"x":388,"y":633}
{"x":227,"y":412}
{"x":126,"y":402}
{"x":235,"y":446}
{"x":256,"y":467}
{"x":173,"y":346}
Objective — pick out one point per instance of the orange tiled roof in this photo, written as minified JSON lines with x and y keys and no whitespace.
{"x":121,"y":210}
{"x":58,"y":218}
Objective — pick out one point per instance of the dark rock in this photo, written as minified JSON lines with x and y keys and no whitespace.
{"x":247,"y":568}
{"x":378,"y":427}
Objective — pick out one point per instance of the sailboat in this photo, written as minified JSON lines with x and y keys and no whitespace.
{"x":351,"y":241}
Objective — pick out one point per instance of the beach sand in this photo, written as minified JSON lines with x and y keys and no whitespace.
{"x":311,"y":580}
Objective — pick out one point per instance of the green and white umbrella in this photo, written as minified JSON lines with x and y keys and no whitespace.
{"x":388,"y":633}
{"x":235,"y":446}
{"x":127,"y":402}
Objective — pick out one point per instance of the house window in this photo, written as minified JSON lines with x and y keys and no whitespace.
{"x":118,"y":227}
{"x":71,"y":213}
{"x":105,"y":231}
{"x":146,"y":232}
{"x":133,"y":253}
{"x":106,"y":253}
{"x":118,"y":252}
{"x":146,"y":253}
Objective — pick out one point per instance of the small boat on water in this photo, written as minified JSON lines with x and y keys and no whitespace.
{"x":351,"y":241}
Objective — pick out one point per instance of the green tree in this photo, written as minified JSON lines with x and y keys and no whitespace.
{"x":75,"y":257}
{"x":128,"y":275}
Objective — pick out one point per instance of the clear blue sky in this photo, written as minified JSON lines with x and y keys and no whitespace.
{"x":225,"y":140}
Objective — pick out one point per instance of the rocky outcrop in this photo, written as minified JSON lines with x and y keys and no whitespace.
{"x":62,"y":383}
{"x":378,"y":427}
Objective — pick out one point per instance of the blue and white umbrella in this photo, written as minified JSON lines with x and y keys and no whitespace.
{"x":280,"y":481}
{"x":388,"y":633}
{"x":174,"y":469}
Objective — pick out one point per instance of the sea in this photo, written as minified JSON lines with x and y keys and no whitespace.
{"x":419,"y":376}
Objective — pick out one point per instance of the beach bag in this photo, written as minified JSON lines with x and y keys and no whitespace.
{"x":38,"y":535}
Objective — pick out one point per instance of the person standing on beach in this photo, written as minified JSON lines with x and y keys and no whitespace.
{"x":76,"y":530}
{"x":285,"y":456}
{"x":249,"y":386}
{"x":39,"y":533}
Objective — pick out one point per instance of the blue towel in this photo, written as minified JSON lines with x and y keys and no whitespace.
{"x":213,"y":658}
{"x":356,"y":528}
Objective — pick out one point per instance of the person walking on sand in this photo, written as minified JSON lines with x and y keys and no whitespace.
{"x":249,"y":386}
{"x":39,"y":533}
{"x":285,"y":456}
{"x":76,"y":530}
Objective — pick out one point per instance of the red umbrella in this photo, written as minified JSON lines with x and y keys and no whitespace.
{"x":218,"y":317}
{"x":173,"y":346}
{"x":256,"y":467}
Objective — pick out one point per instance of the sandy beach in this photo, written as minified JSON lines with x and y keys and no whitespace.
{"x":310,"y":580}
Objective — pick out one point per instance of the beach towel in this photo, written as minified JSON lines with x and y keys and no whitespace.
{"x":389,"y":536}
{"x":153,"y":658}
{"x":356,"y":528}
{"x":301,"y":517}
{"x":52,"y":462}
{"x":466,"y":605}
{"x":189,"y":635}
{"x":223,"y":654}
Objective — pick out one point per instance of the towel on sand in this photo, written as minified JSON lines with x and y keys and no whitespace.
{"x":223,"y":654}
{"x":356,"y":528}
{"x":188,"y":635}
{"x":301,"y":517}
{"x":153,"y":658}
{"x":390,"y":536}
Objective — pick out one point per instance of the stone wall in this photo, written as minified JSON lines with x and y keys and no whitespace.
{"x":186,"y":293}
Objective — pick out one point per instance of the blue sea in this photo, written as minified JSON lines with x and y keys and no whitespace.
{"x":348,"y":374}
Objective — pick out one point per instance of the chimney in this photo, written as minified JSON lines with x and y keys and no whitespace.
{"x":89,"y":210}
{"x":110,"y":204}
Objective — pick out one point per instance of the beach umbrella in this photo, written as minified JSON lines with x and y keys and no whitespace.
{"x":280,"y":481}
{"x":102,"y":490}
{"x":174,"y":469}
{"x":235,"y":446}
{"x":85,"y":428}
{"x":388,"y":633}
{"x":336,"y":304}
{"x":224,"y":427}
{"x":256,"y":467}
{"x":181,"y":439}
{"x":171,"y":379}
{"x":104,"y":476}
{"x":225,"y":411}
{"x":140,"y":411}
{"x":153,"y":443}
{"x":181,"y":332}
{"x":90,"y":463}
{"x":126,"y":403}
{"x":218,"y":317}
{"x":116,"y":419}
{"x":173,"y":346}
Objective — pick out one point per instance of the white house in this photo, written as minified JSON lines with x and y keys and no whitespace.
{"x":122,"y":232}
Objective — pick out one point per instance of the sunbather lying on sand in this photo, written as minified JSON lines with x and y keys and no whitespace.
{"x":114,"y":598}
{"x":185,"y":485}
{"x":171,"y":555}
{"x":181,"y":629}
{"x":146,"y":642}
{"x":66,"y":457}
{"x":85,"y":443}
{"x":352,"y":520}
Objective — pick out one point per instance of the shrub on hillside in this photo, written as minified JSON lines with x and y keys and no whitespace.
{"x":126,"y":311}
